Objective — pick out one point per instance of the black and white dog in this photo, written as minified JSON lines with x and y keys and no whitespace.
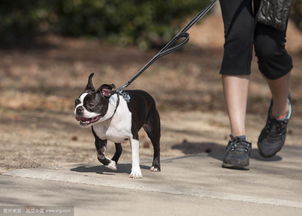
{"x":118,"y":118}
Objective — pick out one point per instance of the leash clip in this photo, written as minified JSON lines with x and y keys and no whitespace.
{"x":125,"y":95}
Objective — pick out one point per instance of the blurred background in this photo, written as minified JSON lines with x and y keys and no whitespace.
{"x":48,"y":49}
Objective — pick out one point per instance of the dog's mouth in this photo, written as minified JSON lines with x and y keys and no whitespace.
{"x":87,"y":121}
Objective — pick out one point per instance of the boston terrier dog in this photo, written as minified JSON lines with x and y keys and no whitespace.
{"x":118,"y":117}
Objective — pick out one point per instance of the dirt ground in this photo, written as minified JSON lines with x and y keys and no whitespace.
{"x":38,"y":87}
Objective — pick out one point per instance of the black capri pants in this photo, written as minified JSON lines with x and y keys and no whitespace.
{"x":242,"y":33}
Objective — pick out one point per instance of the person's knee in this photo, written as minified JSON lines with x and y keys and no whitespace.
{"x":266,"y":48}
{"x":273,"y":59}
{"x":266,"y":54}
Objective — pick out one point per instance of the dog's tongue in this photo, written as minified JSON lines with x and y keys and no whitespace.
{"x":79,"y":118}
{"x":85,"y":121}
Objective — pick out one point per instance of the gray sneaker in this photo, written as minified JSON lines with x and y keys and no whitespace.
{"x":273,"y":135}
{"x":237,"y":153}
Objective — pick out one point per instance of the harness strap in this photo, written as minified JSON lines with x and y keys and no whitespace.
{"x":117,"y":104}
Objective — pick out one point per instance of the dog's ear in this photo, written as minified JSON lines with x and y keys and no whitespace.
{"x":89,"y":86}
{"x":106,"y":90}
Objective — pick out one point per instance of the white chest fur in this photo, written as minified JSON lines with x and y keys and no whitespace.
{"x":118,"y":128}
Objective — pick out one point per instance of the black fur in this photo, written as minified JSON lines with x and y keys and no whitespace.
{"x":95,"y":102}
{"x":118,"y":152}
{"x":99,"y":144}
{"x":144,"y":114}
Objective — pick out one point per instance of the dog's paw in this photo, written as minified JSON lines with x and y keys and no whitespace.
{"x":112,"y":165}
{"x":135,"y":174}
{"x":154,"y":169}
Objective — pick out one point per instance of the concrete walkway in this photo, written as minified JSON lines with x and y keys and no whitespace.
{"x":189,"y":185}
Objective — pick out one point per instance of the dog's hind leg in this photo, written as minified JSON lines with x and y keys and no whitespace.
{"x":152,"y":128}
{"x":118,"y":152}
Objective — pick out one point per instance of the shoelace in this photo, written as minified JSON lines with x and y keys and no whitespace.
{"x":276,"y":127}
{"x":237,"y":144}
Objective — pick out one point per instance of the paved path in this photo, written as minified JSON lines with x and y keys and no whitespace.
{"x":189,"y":185}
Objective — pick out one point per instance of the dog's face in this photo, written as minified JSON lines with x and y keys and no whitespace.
{"x":92,"y":104}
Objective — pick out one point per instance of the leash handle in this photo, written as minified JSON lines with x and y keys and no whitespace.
{"x":182,"y":37}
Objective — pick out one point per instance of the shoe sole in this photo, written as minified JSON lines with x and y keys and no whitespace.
{"x":237,"y":167}
{"x":270,"y":155}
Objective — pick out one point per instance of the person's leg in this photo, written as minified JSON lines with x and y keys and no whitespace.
{"x":235,"y":90}
{"x":239,"y":34}
{"x":275,"y":64}
{"x":280,"y":92}
{"x":235,"y":69}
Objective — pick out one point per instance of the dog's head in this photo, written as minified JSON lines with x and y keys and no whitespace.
{"x":92,"y":104}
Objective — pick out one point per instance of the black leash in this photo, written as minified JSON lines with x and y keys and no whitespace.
{"x":182,"y":36}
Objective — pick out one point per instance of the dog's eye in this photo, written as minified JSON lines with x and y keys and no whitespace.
{"x":77,"y":101}
{"x":91,"y":105}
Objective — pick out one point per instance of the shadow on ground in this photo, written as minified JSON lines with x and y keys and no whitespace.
{"x":121,"y":168}
{"x":215,"y":150}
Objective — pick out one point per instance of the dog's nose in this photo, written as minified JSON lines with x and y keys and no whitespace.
{"x":80,"y":110}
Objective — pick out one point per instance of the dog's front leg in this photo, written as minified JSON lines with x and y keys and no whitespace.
{"x":135,"y":170}
{"x":118,"y":152}
{"x":100,"y":146}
